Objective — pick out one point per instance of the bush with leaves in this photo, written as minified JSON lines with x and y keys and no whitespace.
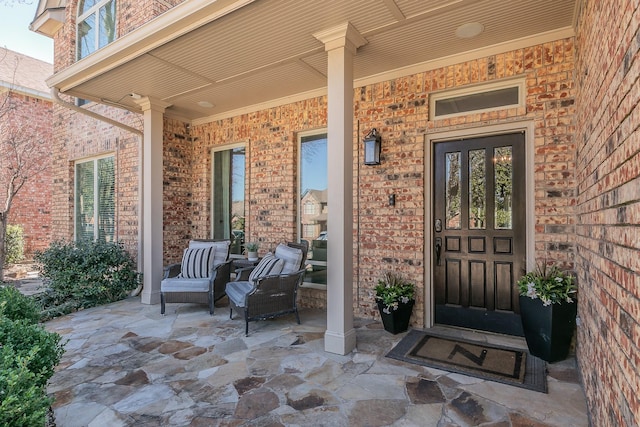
{"x":23,"y":399}
{"x":14,"y":244}
{"x":84,"y":274}
{"x":28,"y":356}
{"x":15,"y":306}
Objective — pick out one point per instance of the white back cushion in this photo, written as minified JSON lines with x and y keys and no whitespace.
{"x":292,"y":257}
{"x":221,"y":249}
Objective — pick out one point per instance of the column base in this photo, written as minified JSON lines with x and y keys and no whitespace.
{"x":150,"y":297}
{"x":338,"y":343}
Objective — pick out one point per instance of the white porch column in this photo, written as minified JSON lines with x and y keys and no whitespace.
{"x":341,"y":44}
{"x":151,"y":193}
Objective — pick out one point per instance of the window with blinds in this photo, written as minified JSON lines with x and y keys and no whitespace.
{"x":95,"y":200}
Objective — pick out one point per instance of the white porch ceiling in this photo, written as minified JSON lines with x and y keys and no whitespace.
{"x":264,"y":50}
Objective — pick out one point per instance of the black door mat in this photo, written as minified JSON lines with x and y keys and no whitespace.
{"x":505,"y":365}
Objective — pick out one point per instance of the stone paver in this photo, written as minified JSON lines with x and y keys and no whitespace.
{"x":127,"y":365}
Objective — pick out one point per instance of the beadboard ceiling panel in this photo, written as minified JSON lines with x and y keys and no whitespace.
{"x":266,"y":49}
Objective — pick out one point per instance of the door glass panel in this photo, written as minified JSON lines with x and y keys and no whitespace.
{"x":228,"y":197}
{"x":452,"y":191}
{"x":477,"y":190}
{"x":313,"y":204}
{"x":503,"y":187}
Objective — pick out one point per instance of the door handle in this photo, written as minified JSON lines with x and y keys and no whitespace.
{"x":438,"y":250}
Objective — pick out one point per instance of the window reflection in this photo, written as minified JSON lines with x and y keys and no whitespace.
{"x":503,"y":171}
{"x":313,"y":204}
{"x":452,"y":191}
{"x":477,"y":190}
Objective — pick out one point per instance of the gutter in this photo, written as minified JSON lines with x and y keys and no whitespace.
{"x":55,"y":95}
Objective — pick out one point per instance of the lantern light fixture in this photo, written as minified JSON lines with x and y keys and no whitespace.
{"x":372,"y":147}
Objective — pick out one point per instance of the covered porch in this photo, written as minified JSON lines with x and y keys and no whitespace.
{"x":204,"y":64}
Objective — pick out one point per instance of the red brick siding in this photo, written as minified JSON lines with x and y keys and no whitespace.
{"x":31,"y":208}
{"x":179,"y":210}
{"x":608,"y":209}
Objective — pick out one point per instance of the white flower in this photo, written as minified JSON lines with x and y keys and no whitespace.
{"x":558,"y":279}
{"x":386,"y":310}
{"x":404,"y":300}
{"x":545,"y":301}
{"x":569,"y":299}
{"x":531,"y":290}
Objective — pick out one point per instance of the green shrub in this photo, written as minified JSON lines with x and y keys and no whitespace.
{"x":23,"y":399}
{"x":16,"y":306}
{"x":14,"y":244}
{"x":25,"y":338}
{"x":85,"y":274}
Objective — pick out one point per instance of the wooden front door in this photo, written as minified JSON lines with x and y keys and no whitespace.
{"x":479,"y":232}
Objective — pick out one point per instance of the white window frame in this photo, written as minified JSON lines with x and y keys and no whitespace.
{"x":477,"y":89}
{"x":94,"y":10}
{"x":96,"y":202}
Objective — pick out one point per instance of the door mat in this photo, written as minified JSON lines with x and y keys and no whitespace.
{"x":477,"y":359}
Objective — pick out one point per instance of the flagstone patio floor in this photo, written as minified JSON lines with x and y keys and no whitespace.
{"x":127,"y":365}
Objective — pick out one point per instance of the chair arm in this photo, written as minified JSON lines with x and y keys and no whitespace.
{"x":242,"y":274}
{"x":172,"y":270}
{"x":222,"y":270}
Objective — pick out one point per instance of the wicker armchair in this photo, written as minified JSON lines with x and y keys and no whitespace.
{"x":182,"y":284}
{"x":272,"y":287}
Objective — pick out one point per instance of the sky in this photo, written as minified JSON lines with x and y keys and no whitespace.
{"x":15,"y":34}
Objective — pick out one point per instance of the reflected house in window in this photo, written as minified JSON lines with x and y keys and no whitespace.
{"x":314,"y":213}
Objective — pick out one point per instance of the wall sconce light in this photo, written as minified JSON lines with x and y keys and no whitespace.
{"x":372,"y":147}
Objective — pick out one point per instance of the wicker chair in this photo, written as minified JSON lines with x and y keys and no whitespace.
{"x":178,"y":286}
{"x":267,"y":296}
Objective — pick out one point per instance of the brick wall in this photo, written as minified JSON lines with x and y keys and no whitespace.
{"x":179,"y":208}
{"x":608,"y":208}
{"x":31,"y":208}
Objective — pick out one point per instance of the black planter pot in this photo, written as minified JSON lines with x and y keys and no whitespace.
{"x":398,"y":320}
{"x":548,"y":329}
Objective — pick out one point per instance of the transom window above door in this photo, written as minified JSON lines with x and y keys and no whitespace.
{"x":96,"y":25}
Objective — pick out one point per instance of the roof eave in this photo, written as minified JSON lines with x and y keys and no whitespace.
{"x":174,"y":23}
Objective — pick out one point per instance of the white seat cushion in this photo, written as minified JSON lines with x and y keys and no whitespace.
{"x":292,"y":257}
{"x":236,"y":291}
{"x":176,"y":284}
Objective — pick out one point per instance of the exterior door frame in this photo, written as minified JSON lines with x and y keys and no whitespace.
{"x":429,"y":186}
